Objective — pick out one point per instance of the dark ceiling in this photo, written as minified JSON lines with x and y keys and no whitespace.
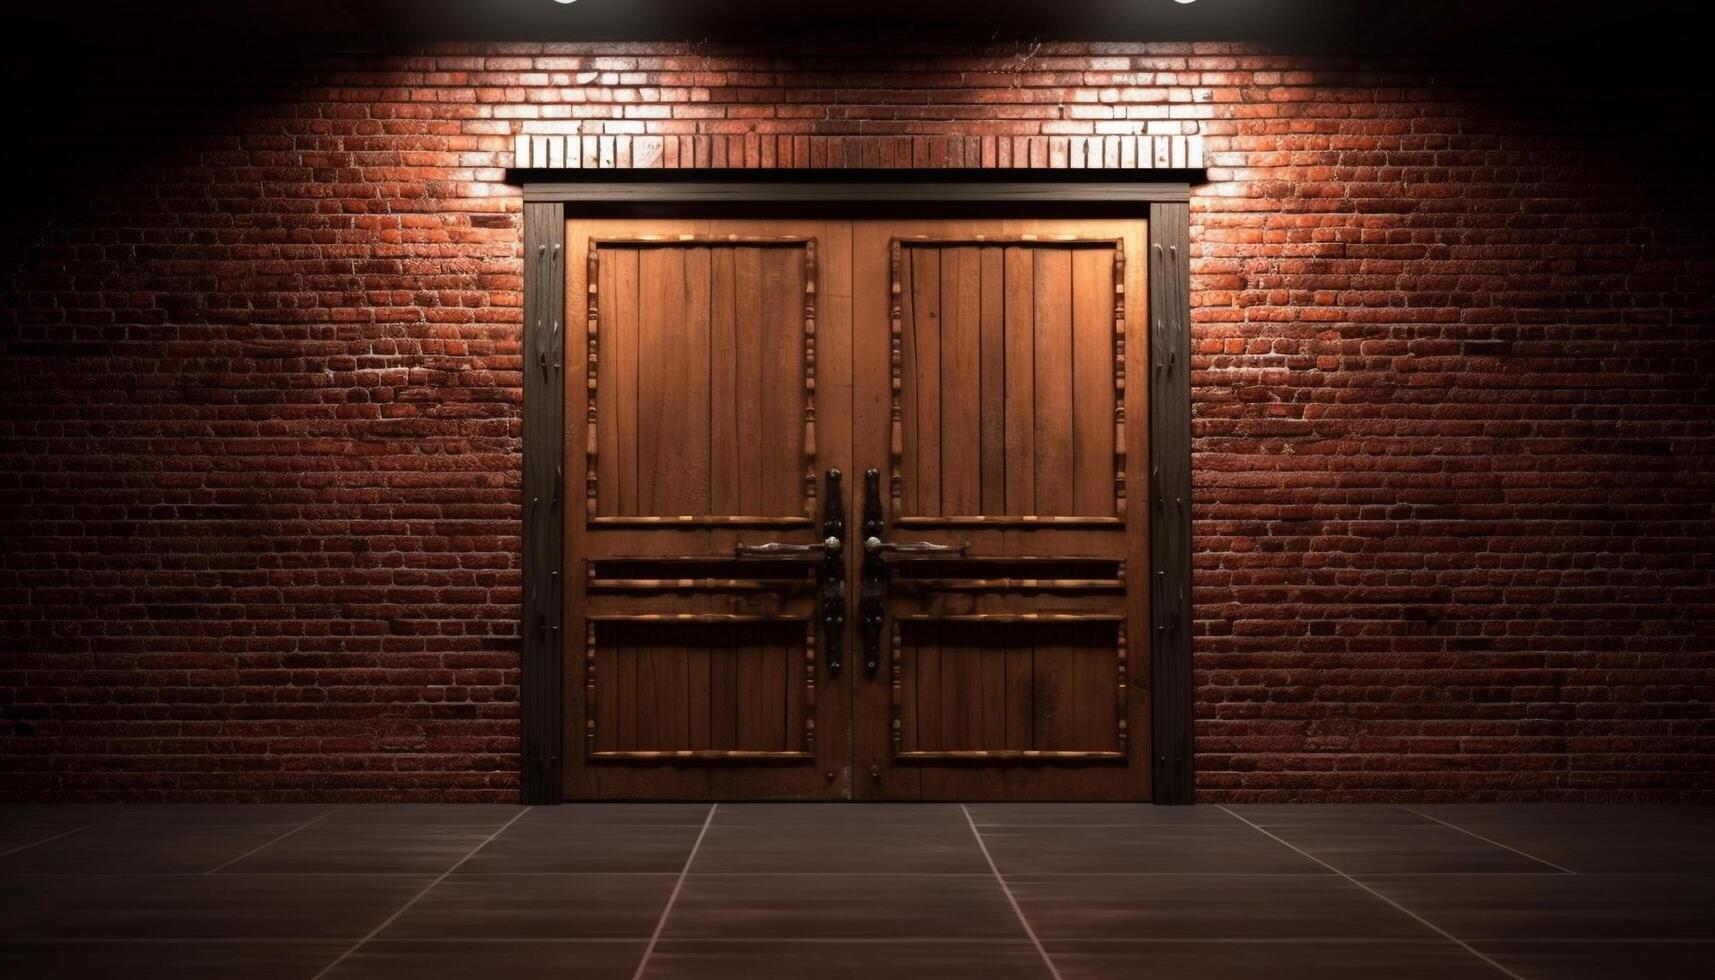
{"x":1526,"y":27}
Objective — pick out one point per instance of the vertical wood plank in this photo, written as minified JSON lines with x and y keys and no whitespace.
{"x":699,"y":662}
{"x":541,"y":618}
{"x":925,"y":342}
{"x":1092,"y":382}
{"x":1019,"y":697}
{"x":961,"y":381}
{"x":961,"y":711}
{"x":747,"y":377}
{"x":992,"y":693}
{"x":1054,"y":396}
{"x":1056,"y":705}
{"x":792,"y":692}
{"x":992,"y":398}
{"x":660,"y":308}
{"x":685,"y":486}
{"x":1019,"y":328}
{"x":925,"y":643}
{"x":781,"y":325}
{"x":909,"y":405}
{"x":1170,"y":500}
{"x":726,"y":437}
{"x":628,"y":651}
{"x":609,"y":429}
{"x":606,"y":703}
{"x":723,"y":693}
{"x":618,"y":391}
{"x":750,"y":655}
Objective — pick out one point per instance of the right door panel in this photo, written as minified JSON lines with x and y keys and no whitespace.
{"x":996,"y":366}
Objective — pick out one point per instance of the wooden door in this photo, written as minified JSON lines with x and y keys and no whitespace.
{"x":997,"y":364}
{"x":985,"y":370}
{"x":716,"y":397}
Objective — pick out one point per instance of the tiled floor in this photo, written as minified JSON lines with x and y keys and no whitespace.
{"x":903,"y":892}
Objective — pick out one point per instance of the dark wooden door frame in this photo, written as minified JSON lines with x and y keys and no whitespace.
{"x":549,"y":197}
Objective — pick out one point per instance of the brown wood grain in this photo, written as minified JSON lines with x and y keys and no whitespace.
{"x":705,"y":684}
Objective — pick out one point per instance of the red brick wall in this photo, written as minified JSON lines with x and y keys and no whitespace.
{"x":1454,"y":447}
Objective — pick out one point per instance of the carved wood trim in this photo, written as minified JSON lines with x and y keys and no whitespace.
{"x":1020,"y":520}
{"x":1119,"y":379}
{"x":592,"y":333}
{"x":697,"y":584}
{"x":1012,"y":584}
{"x":810,"y":482}
{"x":703,"y":520}
{"x":895,"y":369}
{"x":896,"y":693}
{"x":1010,"y":755}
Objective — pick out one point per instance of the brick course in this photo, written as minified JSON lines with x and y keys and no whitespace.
{"x":1454,"y":454}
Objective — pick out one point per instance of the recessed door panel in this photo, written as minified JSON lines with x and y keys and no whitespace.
{"x":704,"y":401}
{"x":1010,"y":380}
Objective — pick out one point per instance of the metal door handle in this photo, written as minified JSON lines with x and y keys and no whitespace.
{"x":876,"y":546}
{"x":833,"y":572}
{"x":770,"y":548}
{"x":872,"y":594}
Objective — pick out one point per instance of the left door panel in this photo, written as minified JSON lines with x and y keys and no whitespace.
{"x":715,"y":399}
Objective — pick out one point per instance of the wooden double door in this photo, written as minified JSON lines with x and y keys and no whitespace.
{"x":864,"y":510}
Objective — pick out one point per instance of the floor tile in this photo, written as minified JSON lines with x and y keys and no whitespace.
{"x":834,"y":960}
{"x":537,"y":907}
{"x":1091,"y":814}
{"x":200,"y":814}
{"x":1272,"y":815}
{"x":1202,"y":848}
{"x":199,"y":906}
{"x":1422,"y":847}
{"x":166,"y":961}
{"x":144,"y":849}
{"x":1440,"y":960}
{"x":840,"y":814}
{"x":333,"y":847}
{"x":542,"y":842}
{"x":921,"y":839}
{"x":1533,"y":906}
{"x":403,"y":815}
{"x":416,"y":959}
{"x":623,"y":814}
{"x":23,"y":836}
{"x":1209,"y":907}
{"x":1594,"y":839}
{"x":843,"y":906}
{"x":1604,"y":961}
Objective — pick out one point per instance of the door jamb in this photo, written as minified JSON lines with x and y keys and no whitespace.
{"x":549,"y":198}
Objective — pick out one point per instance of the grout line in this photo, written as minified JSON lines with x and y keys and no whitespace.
{"x":678,"y":886}
{"x":321,"y":816}
{"x":851,"y":940}
{"x":1017,"y":875}
{"x":1487,"y":840}
{"x":418,"y":897}
{"x":834,"y":874}
{"x":1046,"y":827}
{"x":1462,"y":943}
{"x":44,"y":840}
{"x":1017,"y":910}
